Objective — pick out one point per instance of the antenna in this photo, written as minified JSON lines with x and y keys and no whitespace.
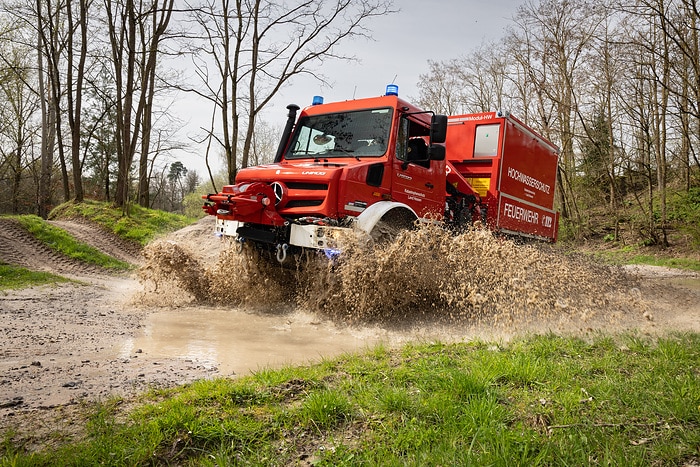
{"x":353,"y":92}
{"x":393,"y":81}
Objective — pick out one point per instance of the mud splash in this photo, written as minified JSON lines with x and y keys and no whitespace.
{"x":173,"y":275}
{"x":473,"y":276}
{"x":428,"y":272}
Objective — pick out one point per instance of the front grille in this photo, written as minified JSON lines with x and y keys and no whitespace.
{"x":304,"y":197}
{"x":306,"y":186}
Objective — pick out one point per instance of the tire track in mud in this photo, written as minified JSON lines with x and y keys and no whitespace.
{"x":95,"y":236}
{"x":21,"y":248}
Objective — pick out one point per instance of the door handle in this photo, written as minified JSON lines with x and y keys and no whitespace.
{"x":430,"y":185}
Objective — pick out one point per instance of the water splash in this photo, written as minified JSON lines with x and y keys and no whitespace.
{"x":427,"y":272}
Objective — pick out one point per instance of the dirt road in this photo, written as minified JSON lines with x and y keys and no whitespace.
{"x":100,"y":337}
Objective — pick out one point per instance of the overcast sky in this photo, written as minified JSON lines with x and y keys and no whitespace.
{"x":403,"y":43}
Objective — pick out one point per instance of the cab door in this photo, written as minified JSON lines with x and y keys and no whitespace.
{"x":416,"y":180}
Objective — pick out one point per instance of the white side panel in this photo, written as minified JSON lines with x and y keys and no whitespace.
{"x":303,"y":236}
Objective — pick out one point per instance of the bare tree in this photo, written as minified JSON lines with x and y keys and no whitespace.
{"x":35,"y":28}
{"x":256,"y":47}
{"x":475,"y":82}
{"x":48,"y":127}
{"x":98,"y":138}
{"x":441,"y":89}
{"x":656,"y":84}
{"x":679,"y":24}
{"x":159,"y":18}
{"x":134,"y":79}
{"x":484,"y":74}
{"x":50,"y":22}
{"x":75,"y":77}
{"x":606,"y":93}
{"x":17,"y":128}
{"x":559,"y":35}
{"x":264,"y":145}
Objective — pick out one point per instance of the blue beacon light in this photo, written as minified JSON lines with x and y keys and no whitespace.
{"x":317,"y":100}
{"x":392,"y":90}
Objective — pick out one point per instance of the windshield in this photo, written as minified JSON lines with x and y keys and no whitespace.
{"x":355,"y":134}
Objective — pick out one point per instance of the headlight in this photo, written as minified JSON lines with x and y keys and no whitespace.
{"x":241,"y":188}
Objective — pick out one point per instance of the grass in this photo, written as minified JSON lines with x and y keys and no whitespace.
{"x":62,"y":242}
{"x":140,"y":225}
{"x":630,"y":255}
{"x":543,"y":400}
{"x":680,"y":263}
{"x":13,"y":277}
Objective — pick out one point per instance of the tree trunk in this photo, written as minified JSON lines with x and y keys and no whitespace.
{"x":47,"y":135}
{"x":146,"y":125}
{"x":75,"y":103}
{"x":121,"y":40}
{"x":149,"y":60}
{"x":17,"y":179}
{"x":53,"y":53}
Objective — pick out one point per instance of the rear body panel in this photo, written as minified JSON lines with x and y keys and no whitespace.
{"x":512,"y":168}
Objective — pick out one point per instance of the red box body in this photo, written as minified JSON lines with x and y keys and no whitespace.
{"x":513,"y":168}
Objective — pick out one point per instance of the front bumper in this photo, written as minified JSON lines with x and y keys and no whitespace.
{"x":303,"y":236}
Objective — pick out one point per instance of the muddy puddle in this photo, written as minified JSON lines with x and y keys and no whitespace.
{"x":239,"y":342}
{"x":427,"y":285}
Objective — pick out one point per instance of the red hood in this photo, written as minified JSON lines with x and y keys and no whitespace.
{"x":306,"y":170}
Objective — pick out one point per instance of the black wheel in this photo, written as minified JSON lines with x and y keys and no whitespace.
{"x":391,"y":225}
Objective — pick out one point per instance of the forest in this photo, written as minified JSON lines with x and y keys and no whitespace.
{"x":87,"y":88}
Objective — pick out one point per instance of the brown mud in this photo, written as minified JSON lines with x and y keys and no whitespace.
{"x":426,"y":274}
{"x":196,"y":309}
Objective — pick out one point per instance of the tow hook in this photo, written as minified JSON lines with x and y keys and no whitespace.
{"x":282,"y":253}
{"x":239,"y":247}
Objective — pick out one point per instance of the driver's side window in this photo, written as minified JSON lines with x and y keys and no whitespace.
{"x":411,"y":145}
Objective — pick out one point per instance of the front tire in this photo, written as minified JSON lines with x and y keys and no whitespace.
{"x":391,"y":225}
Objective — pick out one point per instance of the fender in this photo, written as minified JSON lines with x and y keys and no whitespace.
{"x":373,"y":214}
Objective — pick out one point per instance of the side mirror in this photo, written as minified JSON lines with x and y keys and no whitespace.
{"x":437,"y":152}
{"x":438,"y":128}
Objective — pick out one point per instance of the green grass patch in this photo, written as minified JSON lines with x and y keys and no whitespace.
{"x":61,"y":241}
{"x":680,"y":263}
{"x":13,"y":277}
{"x":138,"y":224}
{"x":544,"y":400}
{"x":630,"y":255}
{"x":685,"y":211}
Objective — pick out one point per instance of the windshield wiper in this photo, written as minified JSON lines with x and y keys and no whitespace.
{"x":349,"y":152}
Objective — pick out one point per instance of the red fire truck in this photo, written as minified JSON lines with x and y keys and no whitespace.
{"x":379,"y":164}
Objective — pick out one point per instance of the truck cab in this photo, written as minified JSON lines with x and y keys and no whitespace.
{"x":342,"y":165}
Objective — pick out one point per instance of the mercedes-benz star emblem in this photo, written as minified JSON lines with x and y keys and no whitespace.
{"x":279,"y":191}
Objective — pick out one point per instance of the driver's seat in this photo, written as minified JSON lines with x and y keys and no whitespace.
{"x":417,"y":150}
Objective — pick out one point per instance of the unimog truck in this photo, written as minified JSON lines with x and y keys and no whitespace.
{"x":380,"y":164}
